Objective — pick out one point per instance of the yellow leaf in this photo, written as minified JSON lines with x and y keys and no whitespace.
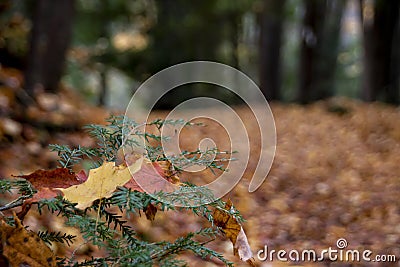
{"x":101,"y":183}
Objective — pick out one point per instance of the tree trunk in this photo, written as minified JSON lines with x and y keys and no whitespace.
{"x":381,"y":51}
{"x":271,"y":21}
{"x":319,"y":46}
{"x":50,"y":38}
{"x":103,"y":86}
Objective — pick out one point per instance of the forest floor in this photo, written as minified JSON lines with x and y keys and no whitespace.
{"x":335,"y":175}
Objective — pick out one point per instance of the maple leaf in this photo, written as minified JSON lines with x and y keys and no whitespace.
{"x":165,"y":169}
{"x":100,"y":183}
{"x":153,"y":177}
{"x":24,"y":248}
{"x":234,"y":231}
{"x":149,"y":178}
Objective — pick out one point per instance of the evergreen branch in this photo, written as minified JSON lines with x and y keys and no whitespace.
{"x":25,"y":190}
{"x":70,"y":156}
{"x":60,"y":205}
{"x":187,"y":243}
{"x":15,"y":203}
{"x":49,"y":237}
{"x":115,"y":219}
{"x":92,"y":230}
{"x":5,"y":186}
{"x":134,"y":201}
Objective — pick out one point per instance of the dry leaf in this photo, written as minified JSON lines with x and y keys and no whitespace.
{"x":101,"y":183}
{"x":234,"y":231}
{"x":242,"y":248}
{"x":227,"y":222}
{"x":24,"y":248}
{"x":45,"y":181}
{"x":150,"y":211}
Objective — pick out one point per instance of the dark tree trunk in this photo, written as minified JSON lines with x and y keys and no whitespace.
{"x":235,"y":28}
{"x":381,"y":52}
{"x":103,"y":86}
{"x":271,"y":21}
{"x":50,"y":38}
{"x":320,"y":34}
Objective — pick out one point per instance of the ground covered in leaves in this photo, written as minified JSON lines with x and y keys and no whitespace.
{"x":335,"y":174}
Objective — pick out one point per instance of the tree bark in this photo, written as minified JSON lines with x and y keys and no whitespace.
{"x":320,"y":34}
{"x":271,"y":22}
{"x":50,"y":38}
{"x":381,"y":51}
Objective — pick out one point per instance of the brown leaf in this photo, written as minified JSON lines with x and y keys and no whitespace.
{"x":25,"y":208}
{"x":234,"y":231}
{"x":227,"y":222}
{"x":131,"y":184}
{"x":45,"y":181}
{"x":150,"y":211}
{"x":24,"y":248}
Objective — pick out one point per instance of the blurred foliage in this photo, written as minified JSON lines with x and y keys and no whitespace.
{"x":14,"y":31}
{"x":118,"y":44}
{"x":140,"y":37}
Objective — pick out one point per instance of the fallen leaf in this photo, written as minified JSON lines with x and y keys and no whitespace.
{"x":100,"y":183}
{"x":24,"y":248}
{"x":46,"y":182}
{"x":234,"y":231}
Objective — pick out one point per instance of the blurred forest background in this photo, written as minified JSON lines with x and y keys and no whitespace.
{"x":67,"y":63}
{"x":297,"y":51}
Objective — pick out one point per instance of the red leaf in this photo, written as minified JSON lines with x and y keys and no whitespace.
{"x":154,"y":176}
{"x":82,"y":176}
{"x":60,"y":177}
{"x":45,"y":180}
